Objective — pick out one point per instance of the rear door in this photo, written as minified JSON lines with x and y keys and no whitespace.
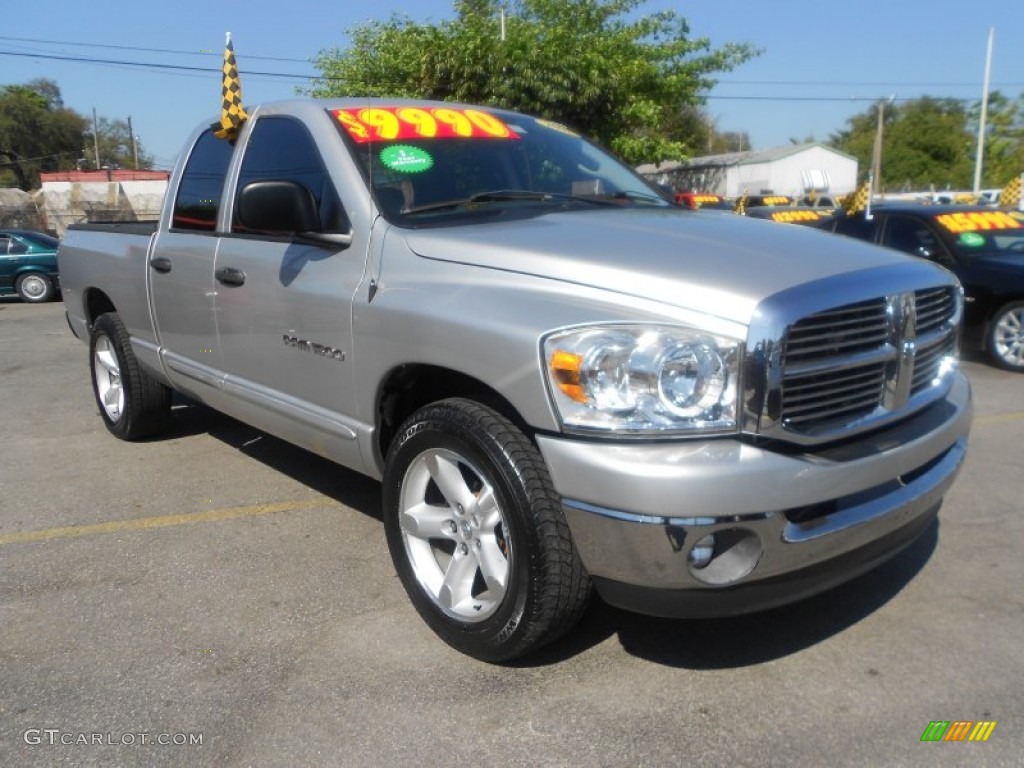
{"x":284,"y":307}
{"x":181,"y":271}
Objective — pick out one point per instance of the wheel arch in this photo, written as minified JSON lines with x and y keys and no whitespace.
{"x":96,"y":303}
{"x":407,"y":388}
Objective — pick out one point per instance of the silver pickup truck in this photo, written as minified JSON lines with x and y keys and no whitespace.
{"x":564,"y":382}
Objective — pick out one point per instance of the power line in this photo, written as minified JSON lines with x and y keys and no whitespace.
{"x":148,"y":50}
{"x":855,"y":83}
{"x":153,"y":65}
{"x":827,"y":98}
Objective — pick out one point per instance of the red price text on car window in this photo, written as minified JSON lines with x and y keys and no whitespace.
{"x":404,"y":123}
{"x":974,"y":221}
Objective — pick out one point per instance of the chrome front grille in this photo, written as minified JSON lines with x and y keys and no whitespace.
{"x":865,"y":362}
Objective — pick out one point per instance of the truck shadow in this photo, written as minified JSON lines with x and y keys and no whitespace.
{"x":704,"y":644}
{"x":322,"y":475}
{"x":741,"y":641}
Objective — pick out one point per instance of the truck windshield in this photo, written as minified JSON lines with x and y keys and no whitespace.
{"x":440,"y":166}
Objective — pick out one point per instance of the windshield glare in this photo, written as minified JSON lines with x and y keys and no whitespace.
{"x":536,"y":167}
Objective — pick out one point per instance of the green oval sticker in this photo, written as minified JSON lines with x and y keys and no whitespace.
{"x":972,"y":239}
{"x":403,"y":158}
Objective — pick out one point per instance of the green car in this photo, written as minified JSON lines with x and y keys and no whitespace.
{"x":28,"y":264}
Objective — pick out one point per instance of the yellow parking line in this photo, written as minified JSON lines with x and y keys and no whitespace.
{"x":230,"y":513}
{"x":161,"y":521}
{"x":998,"y":418}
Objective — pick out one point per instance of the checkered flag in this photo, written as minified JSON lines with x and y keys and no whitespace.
{"x":232,"y":115}
{"x":741,"y":204}
{"x":859,"y":200}
{"x":1010,"y":196}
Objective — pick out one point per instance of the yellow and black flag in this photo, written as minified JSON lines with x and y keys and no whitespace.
{"x":740,"y":206}
{"x":860,"y":200}
{"x":1010,"y":196}
{"x":232,"y":114}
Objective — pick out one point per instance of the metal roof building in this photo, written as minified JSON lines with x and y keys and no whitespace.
{"x":792,"y":170}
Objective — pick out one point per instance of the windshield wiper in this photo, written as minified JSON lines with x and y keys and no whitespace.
{"x":504,"y":195}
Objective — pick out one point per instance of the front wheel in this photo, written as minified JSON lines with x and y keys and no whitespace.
{"x":132,"y":403}
{"x":1006,"y":337}
{"x":477,"y":535}
{"x":34,"y":287}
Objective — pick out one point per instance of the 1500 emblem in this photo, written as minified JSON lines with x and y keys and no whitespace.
{"x":311,"y":346}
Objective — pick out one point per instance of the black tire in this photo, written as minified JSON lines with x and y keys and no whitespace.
{"x":1005,"y":339}
{"x":34,"y":287}
{"x":498,"y":517}
{"x":132,"y":403}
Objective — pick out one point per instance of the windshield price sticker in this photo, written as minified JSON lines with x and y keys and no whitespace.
{"x":405,"y":123}
{"x":776,"y":200}
{"x":701,"y":199}
{"x":975,"y":221}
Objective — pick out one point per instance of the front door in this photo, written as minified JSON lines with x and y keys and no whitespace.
{"x":284,"y":308}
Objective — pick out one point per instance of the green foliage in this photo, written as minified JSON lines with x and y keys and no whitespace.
{"x":1004,"y":139}
{"x":115,"y":146}
{"x":595,"y":65}
{"x":37,"y":133}
{"x":933,"y":142}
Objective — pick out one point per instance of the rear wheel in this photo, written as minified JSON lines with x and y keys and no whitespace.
{"x":477,"y":534}
{"x":132,"y":403}
{"x":34,"y":287}
{"x":1006,"y":337}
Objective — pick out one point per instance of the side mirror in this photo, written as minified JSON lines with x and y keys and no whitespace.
{"x":284,"y":207}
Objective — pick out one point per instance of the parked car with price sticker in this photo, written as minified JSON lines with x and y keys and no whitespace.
{"x":790,"y":214}
{"x":983,"y":247}
{"x":696,"y":200}
{"x":564,"y":382}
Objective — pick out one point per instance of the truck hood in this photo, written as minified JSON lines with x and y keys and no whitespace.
{"x":717,"y":263}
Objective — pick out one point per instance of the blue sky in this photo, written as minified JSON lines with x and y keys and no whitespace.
{"x":822,"y":62}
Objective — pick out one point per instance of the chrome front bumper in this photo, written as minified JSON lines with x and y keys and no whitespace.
{"x":787,"y":525}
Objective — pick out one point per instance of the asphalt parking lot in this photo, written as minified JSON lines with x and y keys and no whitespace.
{"x":218,"y":597}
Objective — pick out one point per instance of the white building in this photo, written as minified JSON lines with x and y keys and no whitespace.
{"x":794,"y":170}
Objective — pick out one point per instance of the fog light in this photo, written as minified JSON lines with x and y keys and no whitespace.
{"x":725,"y":556}
{"x":702,"y":552}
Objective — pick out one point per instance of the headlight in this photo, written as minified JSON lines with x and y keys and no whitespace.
{"x":643,"y":380}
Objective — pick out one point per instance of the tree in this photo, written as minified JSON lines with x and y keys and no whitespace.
{"x":1004,"y":138}
{"x":925,"y":143}
{"x":37,"y":133}
{"x":591,"y":64}
{"x":115,"y":146}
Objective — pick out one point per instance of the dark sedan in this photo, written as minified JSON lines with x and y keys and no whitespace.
{"x":983,"y":247}
{"x":28,"y":264}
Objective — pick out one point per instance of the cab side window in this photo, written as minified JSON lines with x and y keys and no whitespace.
{"x":202,"y":184}
{"x":910,"y":236}
{"x":855,"y":226}
{"x":281,"y":149}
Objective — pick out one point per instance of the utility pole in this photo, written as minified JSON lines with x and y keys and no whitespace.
{"x":876,"y":155}
{"x":95,"y":138}
{"x":135,"y":148}
{"x":979,"y":159}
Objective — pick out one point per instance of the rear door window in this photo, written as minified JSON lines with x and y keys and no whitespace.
{"x":202,"y":184}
